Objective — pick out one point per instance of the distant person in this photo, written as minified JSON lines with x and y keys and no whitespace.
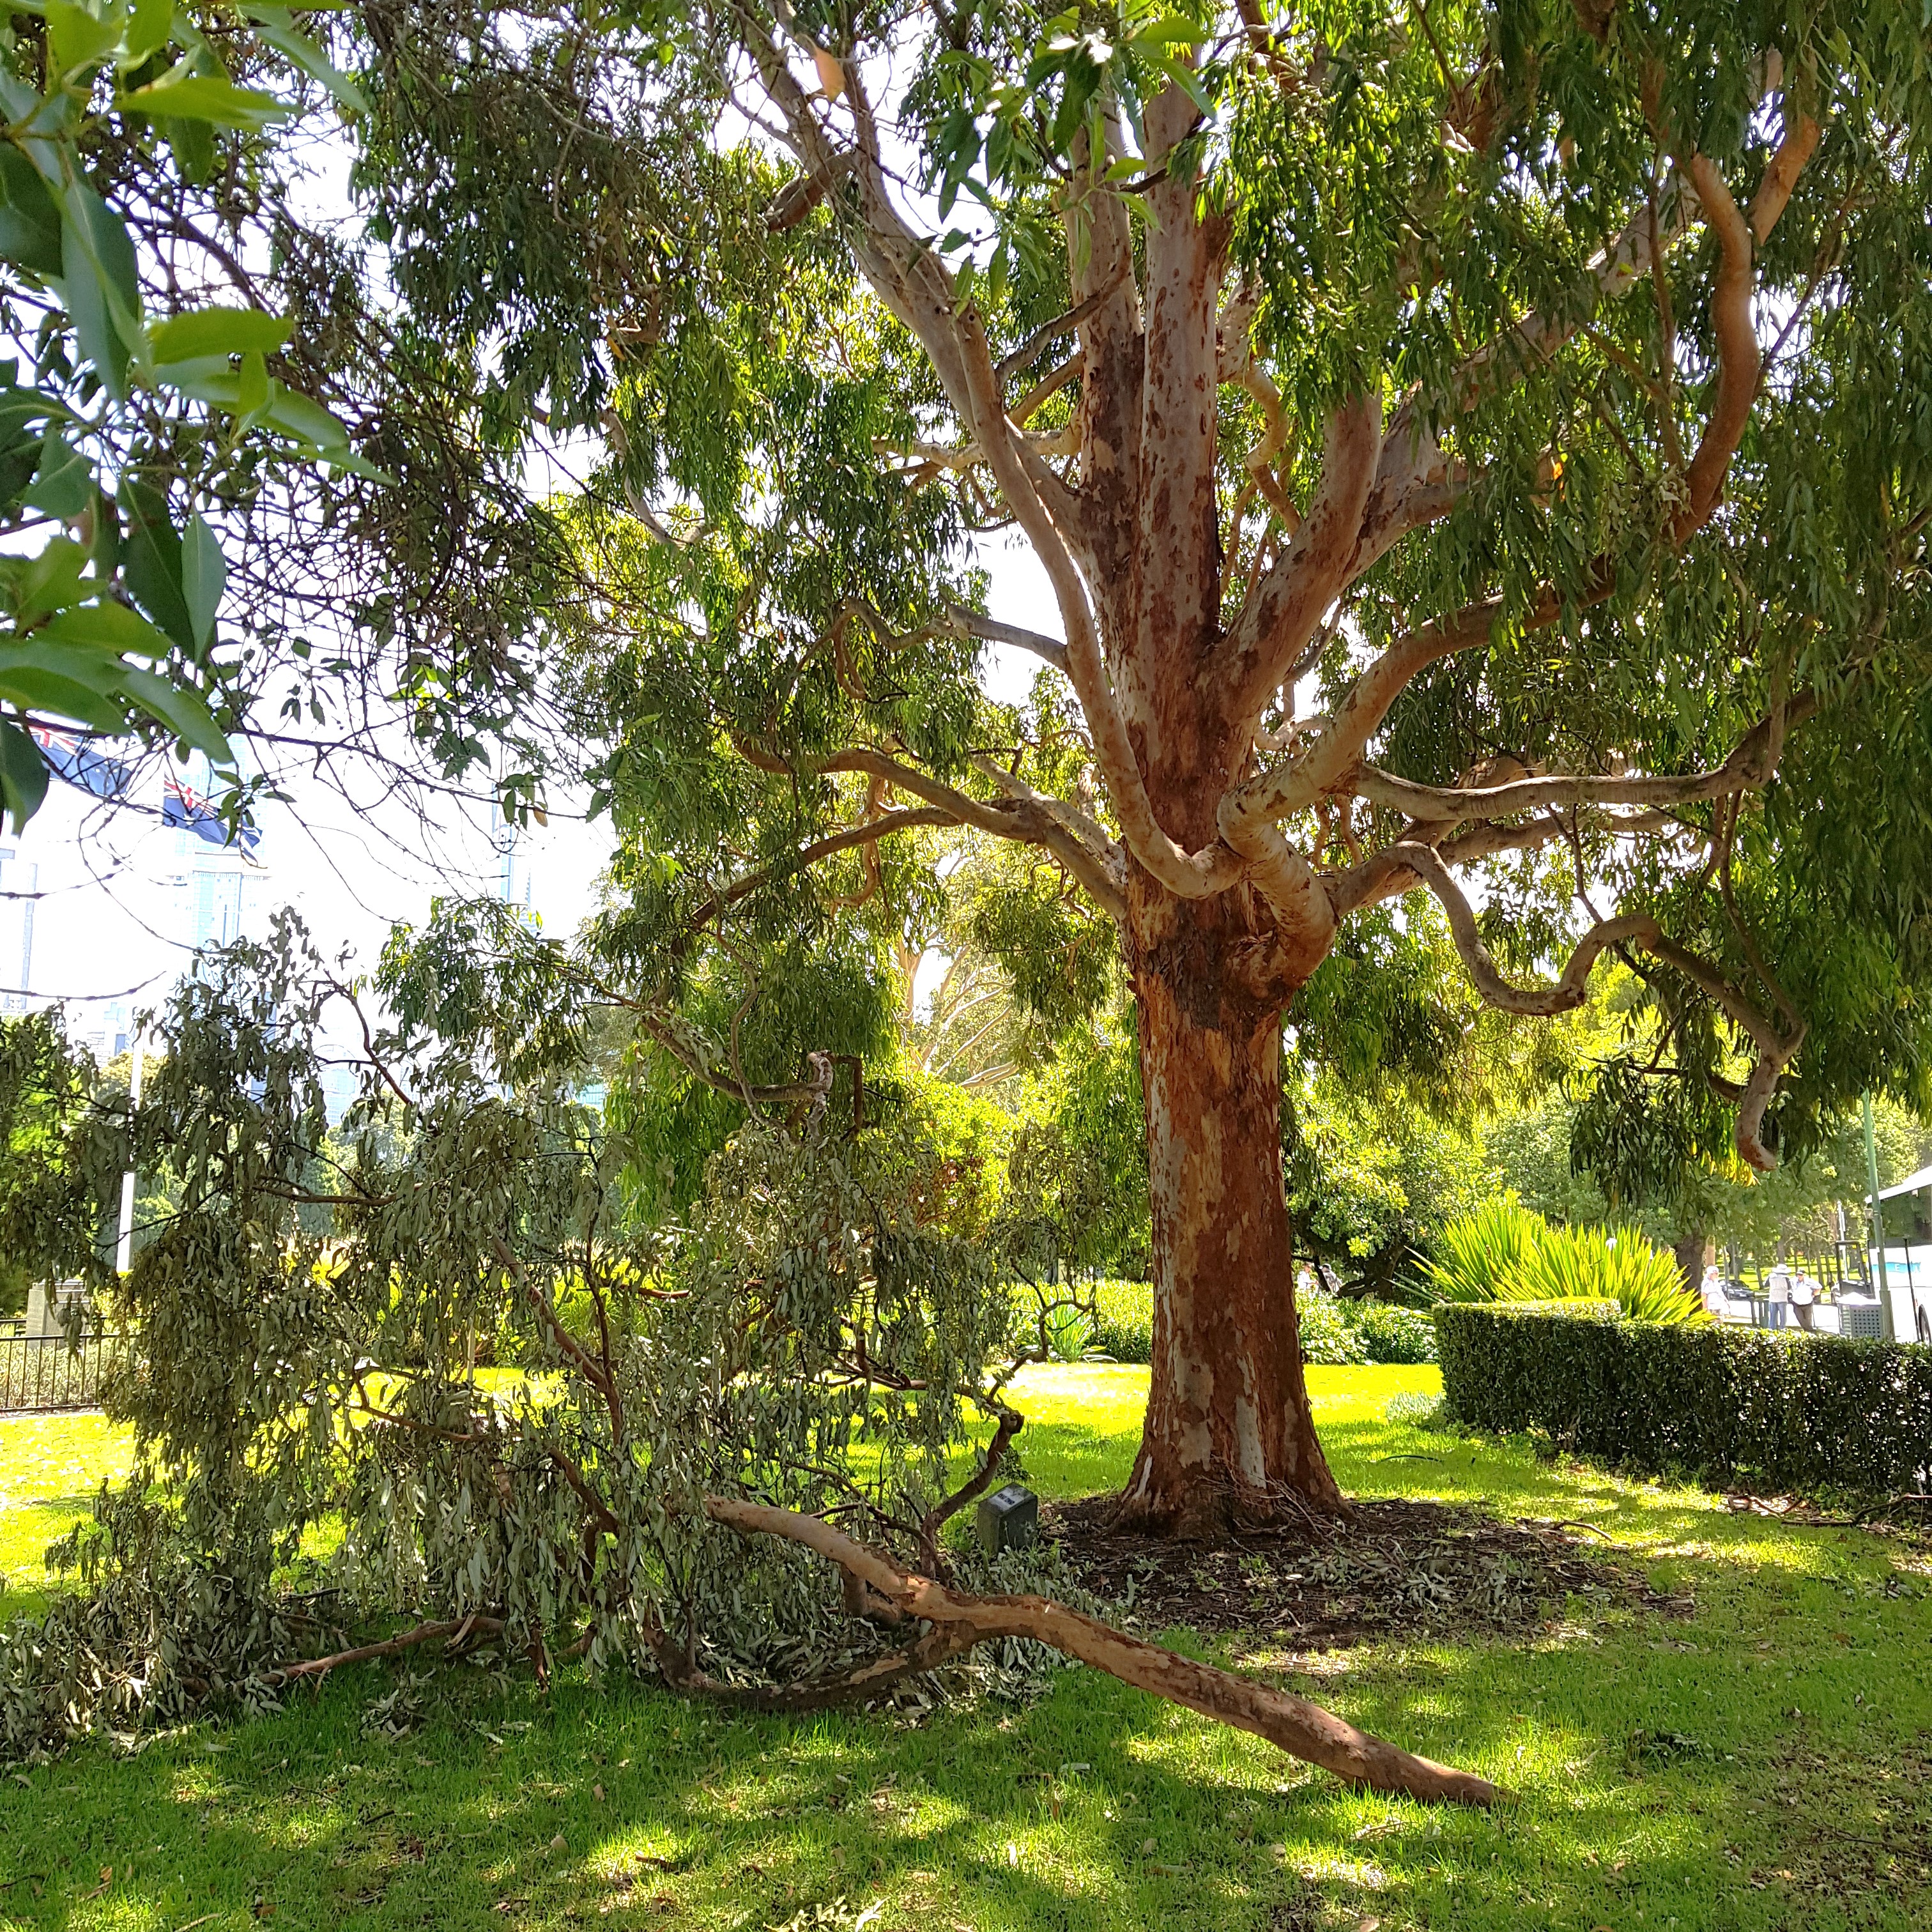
{"x":1715,"y":1301}
{"x":1777,"y":1295}
{"x":1805,"y":1289}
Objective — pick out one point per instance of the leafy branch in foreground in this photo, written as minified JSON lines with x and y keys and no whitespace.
{"x":132,"y":419}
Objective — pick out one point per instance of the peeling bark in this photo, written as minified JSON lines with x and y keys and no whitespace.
{"x":1228,"y":1433}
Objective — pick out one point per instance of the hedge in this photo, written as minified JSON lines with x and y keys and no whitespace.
{"x":1785,"y":1408}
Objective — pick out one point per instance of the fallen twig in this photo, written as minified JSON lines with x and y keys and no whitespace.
{"x":317,"y":1666}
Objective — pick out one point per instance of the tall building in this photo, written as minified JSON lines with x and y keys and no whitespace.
{"x":19,"y":882}
{"x":220,"y":889}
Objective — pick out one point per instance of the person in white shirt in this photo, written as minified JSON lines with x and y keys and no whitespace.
{"x":1777,"y":1293}
{"x":1713,"y":1291}
{"x":1804,"y":1294}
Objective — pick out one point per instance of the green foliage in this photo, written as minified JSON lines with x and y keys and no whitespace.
{"x":1478,"y":1255}
{"x":1789,"y":1411}
{"x":1328,"y":1337}
{"x":1077,"y":1186}
{"x":1505,"y":1252}
{"x":1122,"y":1319}
{"x":1333,"y":1331}
{"x":1391,"y":1333}
{"x":822,"y":1328}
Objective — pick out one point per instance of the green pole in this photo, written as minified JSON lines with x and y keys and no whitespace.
{"x":1880,"y":1284}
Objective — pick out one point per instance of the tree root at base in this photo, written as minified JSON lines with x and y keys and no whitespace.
{"x":1292,"y":1724}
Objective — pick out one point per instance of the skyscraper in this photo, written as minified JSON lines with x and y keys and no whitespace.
{"x":19,"y":880}
{"x":220,"y":887}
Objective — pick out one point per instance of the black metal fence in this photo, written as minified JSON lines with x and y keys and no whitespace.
{"x":49,"y":1371}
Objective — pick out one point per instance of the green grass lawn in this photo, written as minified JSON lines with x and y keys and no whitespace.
{"x":50,"y":1466}
{"x":1792,"y":1785}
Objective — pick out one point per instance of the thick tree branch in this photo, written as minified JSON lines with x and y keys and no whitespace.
{"x":1187,"y":875}
{"x":976,"y":625}
{"x":1542,"y":1002}
{"x":1291,"y":601}
{"x":1025,"y":817}
{"x":1775,"y":1047}
{"x":1412,"y":484}
{"x":1332,"y":756}
{"x":1303,"y":1729}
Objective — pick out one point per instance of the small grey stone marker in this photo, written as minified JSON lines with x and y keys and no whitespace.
{"x":1008,"y":1519}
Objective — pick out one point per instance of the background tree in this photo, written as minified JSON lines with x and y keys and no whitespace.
{"x":1461,"y":440}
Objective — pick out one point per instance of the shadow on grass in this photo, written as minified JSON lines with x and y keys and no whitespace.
{"x":1664,"y":1778}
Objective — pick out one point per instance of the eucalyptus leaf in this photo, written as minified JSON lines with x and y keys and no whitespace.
{"x":204,"y":572}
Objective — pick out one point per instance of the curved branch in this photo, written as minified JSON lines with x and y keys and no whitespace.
{"x":1737,"y":354}
{"x":1748,"y":767}
{"x":1775,"y":1047}
{"x":1412,"y":486}
{"x":869,"y":833}
{"x":1290,"y":786}
{"x":1290,"y":601}
{"x":1542,"y":1002}
{"x":1304,"y":1729}
{"x":1027,"y":818}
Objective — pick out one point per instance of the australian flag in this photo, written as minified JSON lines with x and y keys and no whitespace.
{"x":183,"y":806}
{"x":71,"y":758}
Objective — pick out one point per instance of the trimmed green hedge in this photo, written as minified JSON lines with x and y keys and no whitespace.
{"x":1786,"y":1408}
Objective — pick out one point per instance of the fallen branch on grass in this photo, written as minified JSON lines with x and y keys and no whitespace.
{"x":318,"y":1666}
{"x":1303,"y":1729}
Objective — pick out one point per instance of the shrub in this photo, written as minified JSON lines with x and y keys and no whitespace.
{"x":1333,"y":1333}
{"x":1123,"y":1320}
{"x":1393,"y":1334}
{"x":1478,"y":1255}
{"x":1503,"y":1253}
{"x":1328,"y":1336}
{"x":1789,"y":1410}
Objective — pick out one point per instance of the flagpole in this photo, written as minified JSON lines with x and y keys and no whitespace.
{"x":124,"y":1253}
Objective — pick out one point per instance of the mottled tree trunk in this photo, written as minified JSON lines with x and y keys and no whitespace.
{"x":1229,"y":1435}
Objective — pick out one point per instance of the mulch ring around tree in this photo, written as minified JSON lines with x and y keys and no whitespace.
{"x":1394,"y":1568}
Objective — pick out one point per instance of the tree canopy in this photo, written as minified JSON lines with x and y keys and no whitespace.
{"x":1637,"y":295}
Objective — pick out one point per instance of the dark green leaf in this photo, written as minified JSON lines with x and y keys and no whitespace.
{"x":64,"y":484}
{"x":204,"y":572}
{"x":23,"y":774}
{"x":30,"y":229}
{"x":151,"y":561}
{"x":182,"y":711}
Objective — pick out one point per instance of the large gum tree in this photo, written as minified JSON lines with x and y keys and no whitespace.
{"x":1480,"y":455}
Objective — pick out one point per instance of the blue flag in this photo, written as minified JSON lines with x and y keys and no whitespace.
{"x":183,"y":806}
{"x":73,"y":761}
